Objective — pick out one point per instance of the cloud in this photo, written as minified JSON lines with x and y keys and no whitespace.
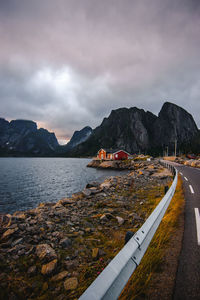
{"x":67,"y":64}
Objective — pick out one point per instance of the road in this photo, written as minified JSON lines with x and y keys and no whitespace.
{"x":187,"y":284}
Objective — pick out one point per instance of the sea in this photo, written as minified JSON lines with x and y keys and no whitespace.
{"x":26,"y":182}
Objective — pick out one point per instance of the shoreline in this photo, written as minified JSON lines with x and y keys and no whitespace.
{"x":56,"y":246}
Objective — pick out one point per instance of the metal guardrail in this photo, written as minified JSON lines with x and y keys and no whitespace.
{"x":110,"y":283}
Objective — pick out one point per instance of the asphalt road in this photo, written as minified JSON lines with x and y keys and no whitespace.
{"x":187,"y":284}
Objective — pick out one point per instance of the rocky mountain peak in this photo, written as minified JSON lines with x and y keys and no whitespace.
{"x":136,"y":130}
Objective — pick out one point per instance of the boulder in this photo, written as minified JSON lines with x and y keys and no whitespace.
{"x":92,"y":184}
{"x":49,"y":268}
{"x":86,"y":192}
{"x":65,"y":243}
{"x":120,"y":220}
{"x":45,"y":252}
{"x":71,"y":283}
{"x":60,"y":276}
{"x":8,"y":233}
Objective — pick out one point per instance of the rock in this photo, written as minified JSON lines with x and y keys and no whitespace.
{"x":49,"y":268}
{"x":71,"y":283}
{"x":60,"y":276}
{"x":105,"y":185}
{"x":32,"y":270}
{"x":95,"y":253}
{"x":19,"y":216}
{"x":16,"y":242}
{"x":95,"y":190}
{"x":103,"y":218}
{"x":66,"y":242}
{"x":45,"y":252}
{"x":120,"y":220}
{"x":135,"y":216}
{"x":45,"y":286}
{"x":71,"y":264}
{"x":92,"y":184}
{"x":87,"y":192}
{"x":8,"y":233}
{"x":66,"y":201}
{"x":108,"y":164}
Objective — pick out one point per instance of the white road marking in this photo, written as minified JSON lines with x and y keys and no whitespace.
{"x":197,"y":216}
{"x":181,"y":173}
{"x":191,"y":189}
{"x":186,"y":178}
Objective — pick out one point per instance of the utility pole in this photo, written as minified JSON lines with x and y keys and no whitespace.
{"x":167,"y":151}
{"x":175,"y":146}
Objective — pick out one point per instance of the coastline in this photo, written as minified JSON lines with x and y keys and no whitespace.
{"x":58,"y":248}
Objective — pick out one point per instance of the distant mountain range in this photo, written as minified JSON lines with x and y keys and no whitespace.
{"x":130,"y":129}
{"x":22,"y":138}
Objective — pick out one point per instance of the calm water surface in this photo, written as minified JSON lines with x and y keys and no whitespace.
{"x":26,"y":182}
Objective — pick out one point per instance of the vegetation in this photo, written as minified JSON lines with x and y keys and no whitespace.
{"x":139,"y":284}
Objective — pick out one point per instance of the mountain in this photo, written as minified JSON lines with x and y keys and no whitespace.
{"x":79,"y":137}
{"x":22,"y":138}
{"x":173,"y":123}
{"x":135,"y":130}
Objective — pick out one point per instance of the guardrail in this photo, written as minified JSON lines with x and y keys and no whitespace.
{"x":110,"y":283}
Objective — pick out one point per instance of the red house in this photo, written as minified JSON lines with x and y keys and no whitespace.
{"x":121,"y":154}
{"x":101,"y":154}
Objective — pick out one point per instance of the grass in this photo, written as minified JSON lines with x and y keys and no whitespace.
{"x":138,"y":285}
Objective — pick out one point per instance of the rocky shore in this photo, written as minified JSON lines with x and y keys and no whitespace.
{"x":56,"y":250}
{"x":114,"y":164}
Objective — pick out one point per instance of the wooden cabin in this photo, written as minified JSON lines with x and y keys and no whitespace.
{"x":112,"y":154}
{"x":121,"y":154}
{"x":101,"y":154}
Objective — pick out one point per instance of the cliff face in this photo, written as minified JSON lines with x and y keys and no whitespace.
{"x":79,"y":137}
{"x":173,"y":122}
{"x":21,"y":137}
{"x":136,"y":130}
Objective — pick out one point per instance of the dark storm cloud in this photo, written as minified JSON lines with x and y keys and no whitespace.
{"x":68,"y":63}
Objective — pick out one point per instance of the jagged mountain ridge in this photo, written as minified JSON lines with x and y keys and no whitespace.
{"x":135,"y":130}
{"x":79,"y":137}
{"x":131,"y":129}
{"x":21,"y":137}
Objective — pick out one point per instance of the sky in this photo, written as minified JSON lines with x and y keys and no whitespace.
{"x":67,"y":63}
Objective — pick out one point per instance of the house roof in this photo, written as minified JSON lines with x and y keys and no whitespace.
{"x":113,"y":151}
{"x":121,"y":150}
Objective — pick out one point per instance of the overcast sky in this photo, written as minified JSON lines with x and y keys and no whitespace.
{"x":67,"y":63}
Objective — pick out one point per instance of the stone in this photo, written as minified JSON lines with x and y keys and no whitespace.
{"x":71,"y":283}
{"x":95,"y":190}
{"x":16,"y":242}
{"x":71,"y":264}
{"x":103,"y":218}
{"x":45,"y":252}
{"x":49,"y":268}
{"x":32,"y":270}
{"x":87,"y":192}
{"x":60,"y":276}
{"x":66,"y":201}
{"x":88,"y":230}
{"x":95,"y":253}
{"x":105,"y":185}
{"x":8,"y":233}
{"x":120,"y":220}
{"x":66,"y":242}
{"x":92,"y":184}
{"x":45,"y":286}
